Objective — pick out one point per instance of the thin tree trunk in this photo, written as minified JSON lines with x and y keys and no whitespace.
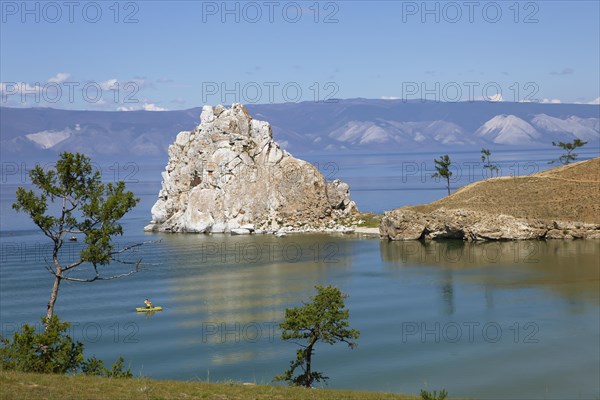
{"x":52,"y":300}
{"x":308,"y":362}
{"x":57,"y":272}
{"x":448,"y":186}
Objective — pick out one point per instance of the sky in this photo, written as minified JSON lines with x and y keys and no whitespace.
{"x":169,"y":55}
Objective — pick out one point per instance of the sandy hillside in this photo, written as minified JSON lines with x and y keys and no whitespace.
{"x":567,"y":193}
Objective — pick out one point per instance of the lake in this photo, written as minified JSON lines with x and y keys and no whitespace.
{"x":506,"y":320}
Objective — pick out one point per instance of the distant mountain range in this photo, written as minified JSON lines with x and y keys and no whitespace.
{"x":353,"y":125}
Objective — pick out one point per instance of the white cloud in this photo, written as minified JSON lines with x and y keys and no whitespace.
{"x":99,"y":103}
{"x":145,"y":107}
{"x":597,"y":101}
{"x":495,"y":98}
{"x":390,"y":98}
{"x":541,"y":101}
{"x":110,"y":84}
{"x":111,"y":93}
{"x":492,"y":99}
{"x":153,"y":107}
{"x":59,"y":78}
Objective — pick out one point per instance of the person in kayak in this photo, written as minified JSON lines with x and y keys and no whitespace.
{"x":148,"y":303}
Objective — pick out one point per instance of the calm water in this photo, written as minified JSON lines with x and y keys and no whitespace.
{"x":490,"y":320}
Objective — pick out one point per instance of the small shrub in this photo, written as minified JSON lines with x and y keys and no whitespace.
{"x":427,"y":395}
{"x":117,"y":370}
{"x":52,"y":351}
{"x":93,"y":366}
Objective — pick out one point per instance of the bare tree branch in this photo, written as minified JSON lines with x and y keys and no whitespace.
{"x":100,"y":278}
{"x":71,"y":266}
{"x":126,"y":248}
{"x":47,"y":265}
{"x":124,"y":262}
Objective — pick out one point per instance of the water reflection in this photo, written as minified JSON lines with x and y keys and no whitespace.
{"x":447,"y":290}
{"x":570,"y":268}
{"x":232,"y":290}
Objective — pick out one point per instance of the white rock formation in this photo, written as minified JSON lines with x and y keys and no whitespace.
{"x":228,"y":175}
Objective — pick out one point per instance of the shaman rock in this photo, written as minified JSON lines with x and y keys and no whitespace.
{"x":228,"y":174}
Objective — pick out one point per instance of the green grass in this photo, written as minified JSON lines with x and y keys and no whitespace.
{"x":19,"y":385}
{"x":370,"y":220}
{"x":366,"y":219}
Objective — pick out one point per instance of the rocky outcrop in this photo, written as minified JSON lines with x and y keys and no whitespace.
{"x":543,"y":205}
{"x":404,"y":224}
{"x":229,"y":175}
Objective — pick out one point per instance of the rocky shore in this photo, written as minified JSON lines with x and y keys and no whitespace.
{"x":402,"y":224}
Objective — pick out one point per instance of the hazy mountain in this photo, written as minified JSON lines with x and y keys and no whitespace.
{"x":508,"y":129}
{"x":354,"y":125}
{"x":583,"y":128}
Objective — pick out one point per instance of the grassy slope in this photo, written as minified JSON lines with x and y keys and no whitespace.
{"x":566,"y":193}
{"x":18,"y":385}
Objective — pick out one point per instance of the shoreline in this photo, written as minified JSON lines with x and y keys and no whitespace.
{"x":363,"y":231}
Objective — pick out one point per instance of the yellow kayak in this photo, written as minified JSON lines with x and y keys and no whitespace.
{"x":147,"y":309}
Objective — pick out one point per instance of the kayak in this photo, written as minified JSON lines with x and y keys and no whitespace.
{"x":147,"y":309}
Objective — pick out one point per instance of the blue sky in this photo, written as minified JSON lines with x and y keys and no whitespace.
{"x":182,"y":54}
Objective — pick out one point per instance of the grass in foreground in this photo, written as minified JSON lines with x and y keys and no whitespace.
{"x":19,"y":385}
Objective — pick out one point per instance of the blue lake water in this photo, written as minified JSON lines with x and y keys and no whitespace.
{"x":491,"y":320}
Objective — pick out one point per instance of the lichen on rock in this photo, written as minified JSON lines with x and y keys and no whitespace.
{"x":229,"y":175}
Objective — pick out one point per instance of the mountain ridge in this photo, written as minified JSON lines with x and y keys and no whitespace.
{"x":352,"y":125}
